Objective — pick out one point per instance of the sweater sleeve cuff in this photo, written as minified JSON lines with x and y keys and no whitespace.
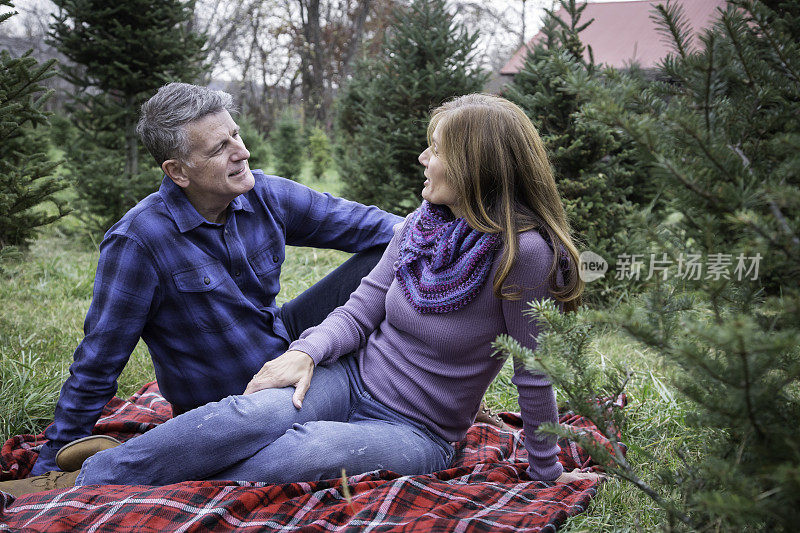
{"x":545,"y":473}
{"x":302,"y":345}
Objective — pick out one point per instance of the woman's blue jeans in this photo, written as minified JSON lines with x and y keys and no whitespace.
{"x":263,"y":437}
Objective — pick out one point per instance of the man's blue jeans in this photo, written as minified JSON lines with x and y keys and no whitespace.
{"x":310,"y":307}
{"x":263,"y":437}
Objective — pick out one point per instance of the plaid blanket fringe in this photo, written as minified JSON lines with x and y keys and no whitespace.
{"x":486,"y":489}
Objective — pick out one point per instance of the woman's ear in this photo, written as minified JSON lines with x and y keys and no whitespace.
{"x":175,"y":170}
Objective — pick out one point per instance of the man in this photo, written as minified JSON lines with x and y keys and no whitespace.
{"x":194,"y":268}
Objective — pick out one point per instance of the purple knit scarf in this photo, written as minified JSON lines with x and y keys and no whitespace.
{"x":443,"y":262}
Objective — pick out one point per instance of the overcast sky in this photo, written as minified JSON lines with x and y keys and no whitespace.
{"x":496,"y":44}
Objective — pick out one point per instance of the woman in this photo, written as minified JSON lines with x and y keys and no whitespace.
{"x":390,"y":379}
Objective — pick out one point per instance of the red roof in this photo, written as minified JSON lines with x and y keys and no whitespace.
{"x":623,"y":32}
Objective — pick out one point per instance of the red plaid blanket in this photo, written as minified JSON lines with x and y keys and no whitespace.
{"x":486,"y":489}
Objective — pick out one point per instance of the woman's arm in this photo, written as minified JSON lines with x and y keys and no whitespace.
{"x":536,"y":397}
{"x":344,"y":330}
{"x":348,"y":327}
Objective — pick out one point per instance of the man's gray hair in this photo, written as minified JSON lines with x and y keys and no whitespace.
{"x":162,"y":125}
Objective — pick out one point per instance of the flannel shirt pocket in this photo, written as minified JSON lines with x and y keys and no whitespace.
{"x":210,"y":295}
{"x":266,"y":260}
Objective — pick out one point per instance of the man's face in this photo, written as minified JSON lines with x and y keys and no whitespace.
{"x":216,"y":167}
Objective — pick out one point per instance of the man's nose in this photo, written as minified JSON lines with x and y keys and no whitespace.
{"x":241,"y":151}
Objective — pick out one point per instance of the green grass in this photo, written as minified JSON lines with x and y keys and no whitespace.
{"x":44,"y":298}
{"x":656,"y":432}
{"x":329,"y":182}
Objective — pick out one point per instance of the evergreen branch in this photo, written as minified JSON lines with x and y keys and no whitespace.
{"x":590,"y":67}
{"x":576,"y":383}
{"x":707,"y":87}
{"x":686,"y":181}
{"x":745,"y":160}
{"x":662,"y":346}
{"x":777,"y":47}
{"x":714,"y":295}
{"x":733,"y":35}
{"x":627,"y":474}
{"x":767,"y":236}
{"x":778,"y":214}
{"x":30,"y":84}
{"x":702,"y":144}
{"x":620,"y":466}
{"x":673,"y":23}
{"x":751,"y":415}
{"x":733,"y":382}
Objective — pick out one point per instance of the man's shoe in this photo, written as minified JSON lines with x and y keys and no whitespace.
{"x":71,"y":457}
{"x":31,"y":485}
{"x":486,"y":416}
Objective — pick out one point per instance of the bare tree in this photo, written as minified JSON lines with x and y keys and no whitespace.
{"x":270,"y":78}
{"x":504,"y":26}
{"x":333,"y":32}
{"x":221,"y":22}
{"x":311,"y":63}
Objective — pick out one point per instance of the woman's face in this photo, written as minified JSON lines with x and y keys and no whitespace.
{"x":436,"y":189}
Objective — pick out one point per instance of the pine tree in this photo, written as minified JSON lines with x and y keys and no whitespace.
{"x":383,"y":114}
{"x":287,"y":147}
{"x":120,"y":52}
{"x":594,"y":164}
{"x":319,"y":151}
{"x":26,"y":181}
{"x":255,"y":142}
{"x":724,"y":137}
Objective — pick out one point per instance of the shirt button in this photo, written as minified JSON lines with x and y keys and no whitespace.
{"x":237,"y":273}
{"x":206,"y":280}
{"x":275,"y":258}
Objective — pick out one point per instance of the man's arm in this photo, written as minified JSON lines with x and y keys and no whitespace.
{"x":325,"y":221}
{"x":124,"y":296}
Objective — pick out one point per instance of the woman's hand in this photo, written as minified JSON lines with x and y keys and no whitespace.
{"x":576,"y":475}
{"x":293,"y":368}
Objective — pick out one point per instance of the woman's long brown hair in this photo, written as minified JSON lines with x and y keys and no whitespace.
{"x":496,"y":162}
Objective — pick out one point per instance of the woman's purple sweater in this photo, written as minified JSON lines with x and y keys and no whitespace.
{"x":435,"y":368}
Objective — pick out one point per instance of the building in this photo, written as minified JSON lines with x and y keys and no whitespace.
{"x":623,"y":33}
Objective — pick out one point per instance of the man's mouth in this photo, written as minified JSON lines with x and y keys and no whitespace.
{"x":238,"y":172}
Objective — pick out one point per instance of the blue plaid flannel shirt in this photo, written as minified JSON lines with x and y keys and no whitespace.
{"x":201,"y":295}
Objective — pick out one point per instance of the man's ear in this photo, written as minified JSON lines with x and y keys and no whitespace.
{"x":174,"y":169}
